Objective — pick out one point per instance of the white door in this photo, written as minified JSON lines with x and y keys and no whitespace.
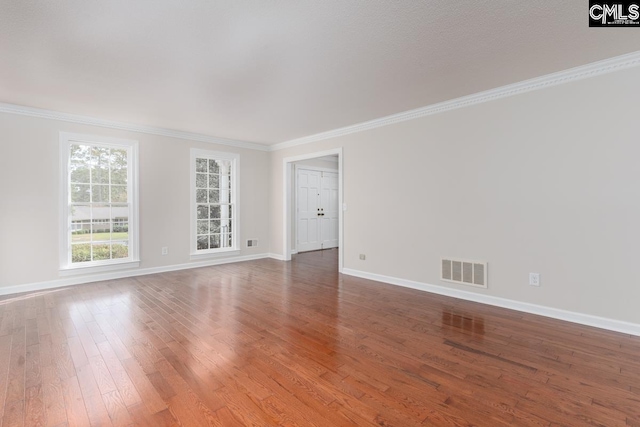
{"x":317,"y":215}
{"x":329,"y":210}
{"x":308,"y":210}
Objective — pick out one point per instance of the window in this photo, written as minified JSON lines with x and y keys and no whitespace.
{"x":214,"y":207}
{"x":99,"y":202}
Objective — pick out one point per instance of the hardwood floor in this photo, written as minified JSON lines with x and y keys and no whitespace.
{"x":267,"y":343}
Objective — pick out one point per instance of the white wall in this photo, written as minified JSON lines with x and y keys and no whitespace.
{"x":29,"y":185}
{"x":547,"y":181}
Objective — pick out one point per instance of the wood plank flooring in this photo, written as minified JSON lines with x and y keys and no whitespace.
{"x":267,"y":343}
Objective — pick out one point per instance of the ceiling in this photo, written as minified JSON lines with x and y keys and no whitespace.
{"x":272,"y":71}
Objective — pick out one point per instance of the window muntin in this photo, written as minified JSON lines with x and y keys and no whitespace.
{"x":214,"y":207}
{"x":99,"y":205}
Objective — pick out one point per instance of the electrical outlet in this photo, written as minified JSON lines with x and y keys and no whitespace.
{"x":363,"y":257}
{"x":165,"y":250}
{"x":534,"y":279}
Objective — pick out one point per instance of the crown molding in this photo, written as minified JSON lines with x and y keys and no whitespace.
{"x":92,"y":121}
{"x":573,"y":74}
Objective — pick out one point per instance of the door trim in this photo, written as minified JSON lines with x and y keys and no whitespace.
{"x":287,"y":174}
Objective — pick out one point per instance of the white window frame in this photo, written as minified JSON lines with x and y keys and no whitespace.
{"x":235,"y":219}
{"x":133,"y":260}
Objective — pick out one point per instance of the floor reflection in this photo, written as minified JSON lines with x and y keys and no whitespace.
{"x":455,"y":320}
{"x":311,"y":308}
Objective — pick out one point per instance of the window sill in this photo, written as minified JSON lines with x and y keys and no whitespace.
{"x":79,"y":270}
{"x":217,"y":254}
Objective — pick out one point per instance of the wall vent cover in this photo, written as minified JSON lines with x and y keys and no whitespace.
{"x":252,"y":243}
{"x":464,"y":272}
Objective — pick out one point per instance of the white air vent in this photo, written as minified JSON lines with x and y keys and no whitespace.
{"x":252,"y":243}
{"x":472,"y":273}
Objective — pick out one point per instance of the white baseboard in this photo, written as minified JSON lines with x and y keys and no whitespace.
{"x":555,"y":313}
{"x":294,"y":251}
{"x":78,"y":280}
{"x":279,"y":257}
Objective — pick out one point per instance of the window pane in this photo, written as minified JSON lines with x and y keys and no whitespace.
{"x":201,"y":180}
{"x":203,"y":242}
{"x":214,"y":240}
{"x":214,"y":196}
{"x":201,"y":165}
{"x":214,"y":181}
{"x":119,"y":176}
{"x":118,"y":193}
{"x":201,"y":196}
{"x":81,"y":253}
{"x":118,"y":166}
{"x":120,"y":230}
{"x":119,"y":213}
{"x":213,"y":166}
{"x":119,"y":250}
{"x":225,"y":225}
{"x":79,"y":154}
{"x":100,"y":217}
{"x":214,"y":212}
{"x":82,"y":232}
{"x":215,"y":225}
{"x":80,"y":217}
{"x":203,"y":212}
{"x":101,"y":252}
{"x":100,"y":232}
{"x":99,"y":193}
{"x":100,"y":165}
{"x":80,"y":193}
{"x":99,"y":176}
{"x":79,"y":173}
{"x":203,"y":227}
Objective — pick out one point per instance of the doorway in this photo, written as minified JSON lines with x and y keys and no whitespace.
{"x":330,"y":215}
